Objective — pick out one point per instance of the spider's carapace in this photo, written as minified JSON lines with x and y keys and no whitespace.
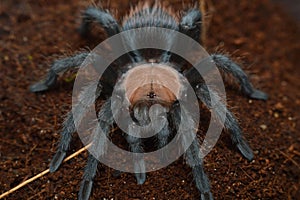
{"x":159,"y":82}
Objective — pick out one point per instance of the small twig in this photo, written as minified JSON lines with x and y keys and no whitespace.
{"x":30,"y":152}
{"x":207,"y":9}
{"x":34,"y":196}
{"x":203,"y":11}
{"x":296,"y":152}
{"x":13,"y":142}
{"x":47,"y":171}
{"x":247,"y":174}
{"x":42,"y":173}
{"x":289,"y":158}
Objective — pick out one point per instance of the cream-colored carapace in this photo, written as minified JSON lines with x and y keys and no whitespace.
{"x":152,"y":81}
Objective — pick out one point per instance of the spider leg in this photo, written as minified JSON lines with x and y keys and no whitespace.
{"x":108,"y":22}
{"x":192,"y":155}
{"x":194,"y":160}
{"x":231,"y":123}
{"x":88,"y":176}
{"x":66,"y":136}
{"x":163,"y":138}
{"x":105,"y":19}
{"x":69,"y":127}
{"x":227,"y":65}
{"x":190,"y":24}
{"x":57,"y":67}
{"x":99,"y":145}
{"x":135,"y":145}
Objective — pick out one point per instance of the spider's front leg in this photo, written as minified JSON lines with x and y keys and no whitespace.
{"x":99,"y":145}
{"x":212,"y":100}
{"x":85,"y":100}
{"x":193,"y":159}
{"x":88,"y":176}
{"x":192,"y":154}
{"x":57,"y":67}
{"x":135,"y":145}
{"x":227,"y":65}
{"x":191,"y":26}
{"x":163,"y":138}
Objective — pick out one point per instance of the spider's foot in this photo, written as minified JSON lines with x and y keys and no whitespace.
{"x":139,"y":167}
{"x":207,"y":196}
{"x":257,"y":94}
{"x":85,"y":190}
{"x":38,"y":87}
{"x":245,"y":150}
{"x":57,"y":160}
{"x":140,"y":178}
{"x":45,"y":84}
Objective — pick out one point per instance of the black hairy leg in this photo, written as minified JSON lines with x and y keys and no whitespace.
{"x":57,"y":67}
{"x":194,"y":160}
{"x":85,"y":100}
{"x":163,"y":137}
{"x":192,"y":154}
{"x":227,"y":65}
{"x":105,"y":19}
{"x":135,"y":145}
{"x":88,"y":176}
{"x":190,"y":24}
{"x":213,"y":101}
{"x":141,"y":114}
{"x":105,"y":122}
{"x":63,"y":146}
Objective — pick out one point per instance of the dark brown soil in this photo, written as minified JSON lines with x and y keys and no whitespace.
{"x":256,"y":33}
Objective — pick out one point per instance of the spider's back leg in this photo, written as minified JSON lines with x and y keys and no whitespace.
{"x":190,"y":24}
{"x":105,"y":19}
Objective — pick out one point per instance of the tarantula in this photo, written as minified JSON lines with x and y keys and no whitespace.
{"x":147,"y":95}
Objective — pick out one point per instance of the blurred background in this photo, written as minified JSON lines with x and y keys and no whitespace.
{"x":292,"y":7}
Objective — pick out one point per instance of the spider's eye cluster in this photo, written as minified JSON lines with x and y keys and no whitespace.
{"x":151,"y":95}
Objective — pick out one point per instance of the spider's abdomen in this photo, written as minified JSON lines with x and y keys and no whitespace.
{"x":146,"y":16}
